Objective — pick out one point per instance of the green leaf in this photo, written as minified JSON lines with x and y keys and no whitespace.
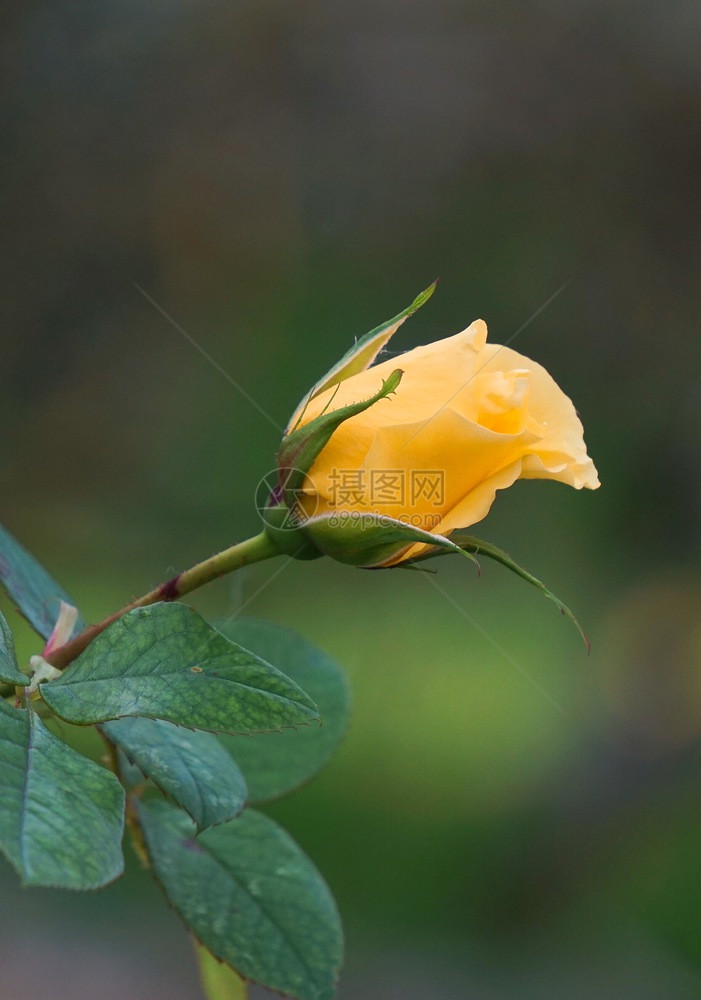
{"x":61,"y":815}
{"x":362,"y":354}
{"x":249,"y":893}
{"x":298,"y":450}
{"x":129,"y":774}
{"x":166,"y":662}
{"x":275,"y":764}
{"x":36,"y":594}
{"x":219,"y":981}
{"x":9,"y":667}
{"x":370,"y":541}
{"x":191,"y":767}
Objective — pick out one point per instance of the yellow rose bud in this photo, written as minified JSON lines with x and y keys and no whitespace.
{"x":468,"y":418}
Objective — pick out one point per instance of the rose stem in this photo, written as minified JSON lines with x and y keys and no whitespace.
{"x":243,"y":554}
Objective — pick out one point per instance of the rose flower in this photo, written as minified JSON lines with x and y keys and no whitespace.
{"x":468,"y":419}
{"x":382,"y":466}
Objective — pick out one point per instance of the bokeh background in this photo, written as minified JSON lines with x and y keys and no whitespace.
{"x":508,"y":818}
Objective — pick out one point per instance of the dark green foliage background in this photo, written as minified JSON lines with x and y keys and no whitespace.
{"x":281,"y":179}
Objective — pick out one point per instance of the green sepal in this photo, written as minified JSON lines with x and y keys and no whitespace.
{"x":477,"y":546}
{"x":370,"y":540}
{"x":362,"y":354}
{"x":299,"y":450}
{"x":289,"y":541}
{"x":10,"y":672}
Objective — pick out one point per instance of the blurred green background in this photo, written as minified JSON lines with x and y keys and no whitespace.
{"x":279,"y":177}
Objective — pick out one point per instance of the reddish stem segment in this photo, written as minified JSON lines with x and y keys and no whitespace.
{"x":252,"y":550}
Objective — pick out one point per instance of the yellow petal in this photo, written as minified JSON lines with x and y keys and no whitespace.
{"x":433,"y":374}
{"x":561,"y":454}
{"x":468,"y":419}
